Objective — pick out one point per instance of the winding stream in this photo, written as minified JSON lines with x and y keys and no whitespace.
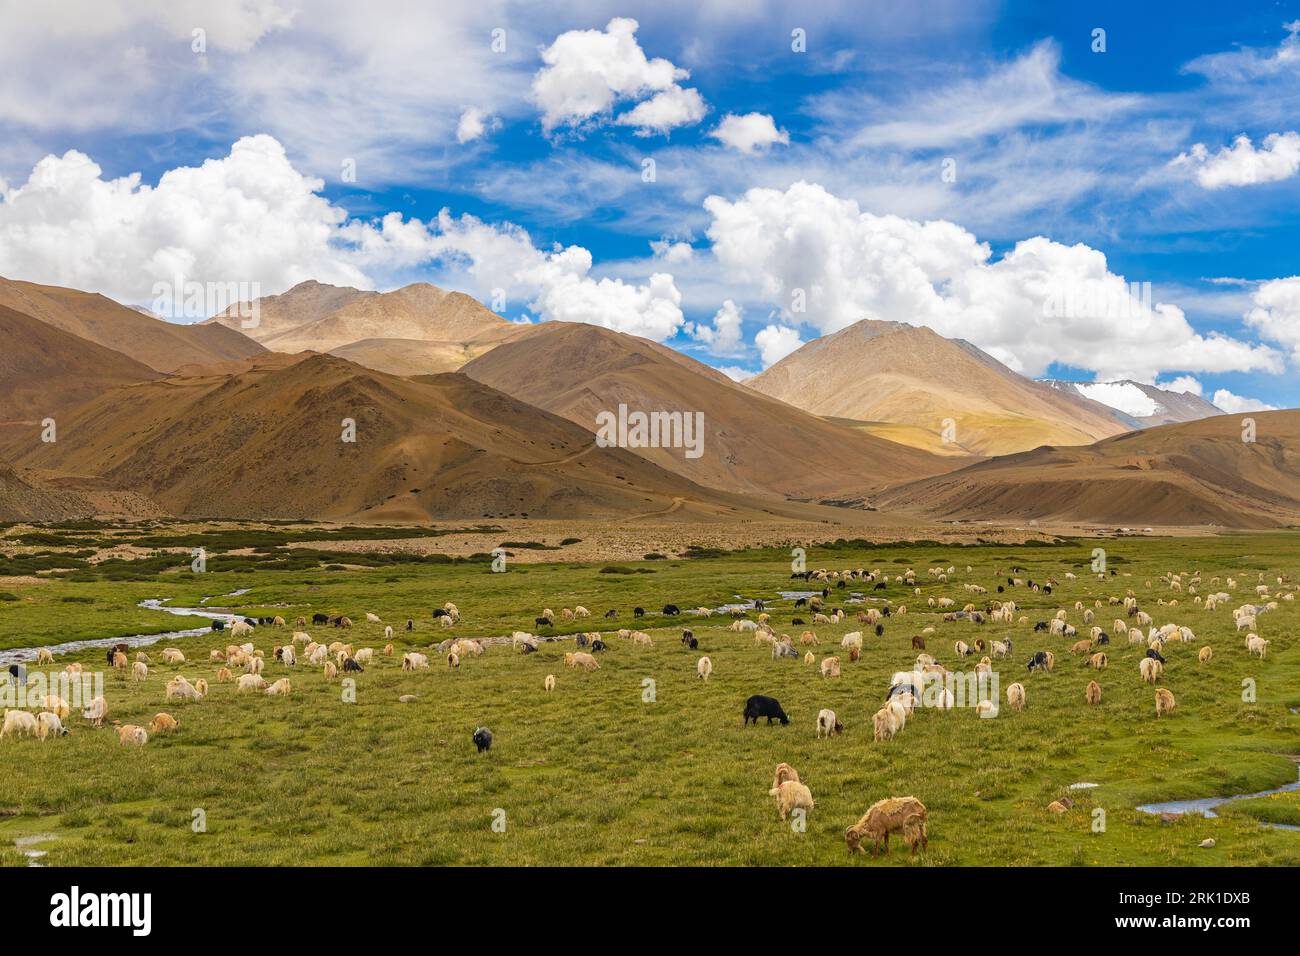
{"x":1205,"y":805}
{"x":24,"y":654}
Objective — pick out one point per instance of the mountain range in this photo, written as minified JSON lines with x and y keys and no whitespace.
{"x":459,"y":413}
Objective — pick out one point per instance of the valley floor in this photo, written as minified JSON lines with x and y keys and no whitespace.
{"x":640,"y":762}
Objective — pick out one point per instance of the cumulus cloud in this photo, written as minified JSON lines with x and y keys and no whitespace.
{"x":736,"y":373}
{"x":246,"y":217}
{"x":1241,"y":164}
{"x":775,"y":342}
{"x":1183,"y":383}
{"x":1276,"y":313}
{"x":471,"y":125}
{"x":823,"y":262}
{"x":1234,"y":404}
{"x":587,"y":72}
{"x":749,"y":132}
{"x":724,"y":336}
{"x":665,"y":111}
{"x":251,"y":217}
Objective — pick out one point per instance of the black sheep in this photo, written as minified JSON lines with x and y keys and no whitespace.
{"x":598,"y":645}
{"x":671,"y":609}
{"x":483,"y":739}
{"x":1155,"y":655}
{"x":611,"y":613}
{"x":880,"y":630}
{"x":638,"y":612}
{"x":351,"y":666}
{"x":320,"y":618}
{"x":687,"y":635}
{"x":410,"y":625}
{"x":218,"y":625}
{"x":581,"y":640}
{"x":1038,"y":662}
{"x":542,"y":621}
{"x":760,"y":706}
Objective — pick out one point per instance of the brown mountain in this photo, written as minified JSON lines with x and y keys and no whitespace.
{"x":267,"y":443}
{"x":894,"y":373}
{"x":1196,"y":473}
{"x":416,"y":330}
{"x":161,"y":345}
{"x":44,"y":371}
{"x":752,"y":444}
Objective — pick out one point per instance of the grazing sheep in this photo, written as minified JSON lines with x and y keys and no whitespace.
{"x":851,"y":640}
{"x":132,"y":734}
{"x":1098,"y":661}
{"x":1081,"y":647}
{"x":810,"y":658}
{"x":759,"y":706}
{"x":549,"y":683}
{"x":704,"y":668}
{"x":96,"y":711}
{"x":791,"y":795}
{"x":412,"y":661}
{"x":1150,"y":669}
{"x":1093,"y":693}
{"x":809,"y":637}
{"x":162,"y":722}
{"x":43,"y":656}
{"x":140,"y":671}
{"x":482,"y":739}
{"x":19,"y":723}
{"x":1016,"y":696}
{"x":254,"y":665}
{"x":1205,"y":654}
{"x":388,"y":650}
{"x":453,"y":660}
{"x":1257,"y":646}
{"x":576,"y":659}
{"x":918,"y":643}
{"x":830,"y":667}
{"x":250,"y":682}
{"x":828,"y":724}
{"x":783,"y":773}
{"x":178,"y":688}
{"x":855,"y":654}
{"x":962,"y":649}
{"x":288,"y":657}
{"x":891,"y":815}
{"x":884,"y":724}
{"x":172,"y":655}
{"x":1165,"y":702}
{"x":56,"y":704}
{"x":280,"y":688}
{"x":49,"y":725}
{"x":330,"y":671}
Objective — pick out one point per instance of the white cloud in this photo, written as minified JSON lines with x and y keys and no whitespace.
{"x":1235,"y":404}
{"x":1248,"y":63}
{"x":1023,"y":309}
{"x":775,"y":342}
{"x":557,"y":284}
{"x":724,"y":336}
{"x":672,"y":251}
{"x":1241,"y":164}
{"x":736,"y":373}
{"x":246,"y":217}
{"x":471,"y":125}
{"x":252,"y":217}
{"x":1276,"y":313}
{"x":665,"y":111}
{"x":587,"y":72}
{"x":1183,"y":383}
{"x":750,"y":132}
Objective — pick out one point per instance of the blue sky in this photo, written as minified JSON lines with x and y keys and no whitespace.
{"x":963,"y":164}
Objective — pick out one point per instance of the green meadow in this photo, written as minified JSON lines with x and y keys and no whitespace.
{"x":641,"y":762}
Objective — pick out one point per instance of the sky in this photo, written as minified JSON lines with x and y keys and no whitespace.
{"x":1086,"y":191}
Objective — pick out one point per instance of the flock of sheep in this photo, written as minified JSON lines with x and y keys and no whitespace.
{"x":243,"y":664}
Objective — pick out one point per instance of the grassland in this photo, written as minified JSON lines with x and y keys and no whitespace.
{"x":593,"y":774}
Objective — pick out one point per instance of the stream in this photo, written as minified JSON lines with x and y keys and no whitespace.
{"x":1205,"y":805}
